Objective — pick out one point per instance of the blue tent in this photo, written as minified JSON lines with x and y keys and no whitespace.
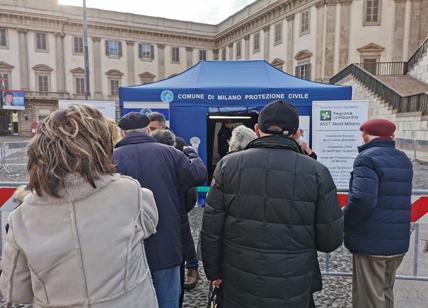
{"x":211,"y":87}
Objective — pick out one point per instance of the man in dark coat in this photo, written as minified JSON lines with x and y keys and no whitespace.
{"x":223,"y":137}
{"x":269,"y":210}
{"x":166,"y":172}
{"x":377,"y":215}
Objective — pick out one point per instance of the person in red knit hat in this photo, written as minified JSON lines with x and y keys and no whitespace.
{"x":377,"y":215}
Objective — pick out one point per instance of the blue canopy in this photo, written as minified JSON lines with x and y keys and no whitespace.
{"x":222,"y":86}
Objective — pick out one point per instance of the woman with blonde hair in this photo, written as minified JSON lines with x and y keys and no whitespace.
{"x":114,"y":131}
{"x":78,"y":239}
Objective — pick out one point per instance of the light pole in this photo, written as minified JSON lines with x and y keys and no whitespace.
{"x":86,"y":52}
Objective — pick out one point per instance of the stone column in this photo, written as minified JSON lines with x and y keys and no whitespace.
{"x":423,"y":26}
{"x":189,"y":56}
{"x":130,"y":62}
{"x":319,"y":42}
{"x":266,"y":39}
{"x":415,"y":18}
{"x":60,"y":62}
{"x":230,"y":52}
{"x":330,"y":38}
{"x":345,"y":30}
{"x":290,"y":44}
{"x":161,"y":61}
{"x":23,"y":60}
{"x":247,"y":47}
{"x":98,"y":84}
{"x":399,"y":24}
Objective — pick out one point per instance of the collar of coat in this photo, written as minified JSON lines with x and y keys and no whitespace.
{"x":379,"y":142}
{"x":75,"y":188}
{"x":135,"y":138}
{"x":275,"y":142}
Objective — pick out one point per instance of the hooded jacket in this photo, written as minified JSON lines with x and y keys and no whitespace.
{"x":269,"y":210}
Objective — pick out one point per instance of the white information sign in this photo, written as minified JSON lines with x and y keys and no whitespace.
{"x":336,"y":135}
{"x":305,"y":124}
{"x":107,"y":108}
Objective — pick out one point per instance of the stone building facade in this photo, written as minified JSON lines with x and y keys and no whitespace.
{"x":41,"y":47}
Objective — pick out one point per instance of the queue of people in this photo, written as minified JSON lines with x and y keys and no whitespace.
{"x":104,"y":219}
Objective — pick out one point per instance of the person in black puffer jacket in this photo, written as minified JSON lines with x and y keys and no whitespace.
{"x":269,"y":210}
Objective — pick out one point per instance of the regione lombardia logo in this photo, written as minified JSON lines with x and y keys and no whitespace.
{"x":325,"y":115}
{"x":167,"y":96}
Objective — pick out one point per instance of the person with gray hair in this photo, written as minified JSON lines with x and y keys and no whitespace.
{"x":241,"y":137}
{"x":164,"y":136}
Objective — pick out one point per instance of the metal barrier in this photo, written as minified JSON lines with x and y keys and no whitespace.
{"x":327,"y":271}
{"x":13,"y":154}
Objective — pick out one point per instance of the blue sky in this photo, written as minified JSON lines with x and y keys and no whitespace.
{"x":206,"y":11}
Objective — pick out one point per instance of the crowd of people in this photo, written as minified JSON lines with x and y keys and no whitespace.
{"x":104,"y":220}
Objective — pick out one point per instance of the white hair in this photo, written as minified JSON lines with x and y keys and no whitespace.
{"x":241,"y":137}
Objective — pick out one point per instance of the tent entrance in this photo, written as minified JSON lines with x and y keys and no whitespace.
{"x":215,"y":121}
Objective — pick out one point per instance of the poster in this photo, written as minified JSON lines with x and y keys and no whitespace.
{"x":336,"y":136}
{"x":13,"y":100}
{"x":107,"y":108}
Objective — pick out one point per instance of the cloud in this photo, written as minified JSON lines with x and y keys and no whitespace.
{"x":206,"y":11}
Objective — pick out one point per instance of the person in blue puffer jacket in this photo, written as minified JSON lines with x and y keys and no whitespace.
{"x":377,"y":215}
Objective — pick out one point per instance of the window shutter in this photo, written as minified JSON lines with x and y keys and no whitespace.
{"x":107,"y":51}
{"x":152,"y":51}
{"x":296,"y":71}
{"x":309,"y":71}
{"x":120,"y":49}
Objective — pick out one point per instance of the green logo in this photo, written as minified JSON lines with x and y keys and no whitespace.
{"x":325,"y":115}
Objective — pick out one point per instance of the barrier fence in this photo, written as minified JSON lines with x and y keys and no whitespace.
{"x":421,"y":196}
{"x":13,"y":154}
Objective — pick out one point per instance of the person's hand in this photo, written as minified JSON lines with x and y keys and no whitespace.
{"x":216,"y":283}
{"x":306,"y":149}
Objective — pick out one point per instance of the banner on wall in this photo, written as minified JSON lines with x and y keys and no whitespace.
{"x":107,"y":108}
{"x":336,"y":136}
{"x":13,"y":100}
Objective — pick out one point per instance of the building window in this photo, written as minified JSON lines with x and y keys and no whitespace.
{"x":77,"y":45}
{"x":41,"y":41}
{"x":3,"y":37}
{"x":305,"y":22}
{"x":370,"y":64}
{"x":256,"y":42}
{"x":223,"y":54}
{"x":146,"y":51}
{"x":43,"y":83}
{"x":79,"y":83}
{"x":114,"y":87}
{"x":238,"y":49}
{"x":304,"y":71}
{"x":202,"y":55}
{"x":114,"y":78}
{"x":372,"y":12}
{"x":5,"y":81}
{"x":113,"y":48}
{"x":278,"y":33}
{"x":175,"y":54}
